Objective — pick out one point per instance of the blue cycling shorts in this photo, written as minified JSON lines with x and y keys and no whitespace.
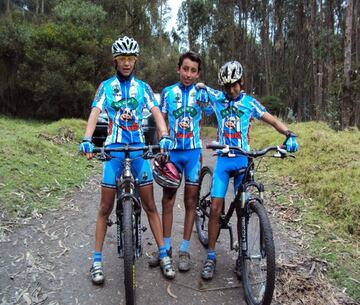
{"x":223,"y":168}
{"x":140,"y":168}
{"x":188,"y":162}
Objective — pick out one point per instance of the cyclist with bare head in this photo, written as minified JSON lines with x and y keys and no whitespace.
{"x":234,"y":111}
{"x":180,"y":108}
{"x":123,"y":98}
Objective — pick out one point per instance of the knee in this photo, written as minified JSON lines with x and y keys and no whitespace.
{"x":215,"y":210}
{"x":150,"y":207}
{"x":105,"y":209}
{"x":190,"y":201}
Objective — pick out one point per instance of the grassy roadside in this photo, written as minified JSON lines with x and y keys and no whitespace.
{"x":327,"y":173}
{"x":39,"y":164}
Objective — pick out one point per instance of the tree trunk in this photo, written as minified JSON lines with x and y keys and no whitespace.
{"x":314,"y":105}
{"x":7,"y":9}
{"x":357,"y":57}
{"x":347,"y":103}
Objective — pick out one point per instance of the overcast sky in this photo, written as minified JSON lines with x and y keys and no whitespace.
{"x":174,"y":5}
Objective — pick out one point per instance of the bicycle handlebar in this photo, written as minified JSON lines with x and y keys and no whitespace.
{"x":225,"y":149}
{"x":149,"y":148}
{"x":105,"y":151}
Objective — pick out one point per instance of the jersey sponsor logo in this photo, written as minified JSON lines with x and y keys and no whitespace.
{"x":129,"y":103}
{"x":183,"y":111}
{"x":231,"y":122}
{"x":133,"y":127}
{"x":184,"y":135}
{"x":185,"y":123}
{"x":227,"y":111}
{"x":116,"y":90}
{"x":126,"y":115}
{"x":235,"y":135}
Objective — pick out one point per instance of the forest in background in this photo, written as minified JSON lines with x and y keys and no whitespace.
{"x":301,"y":58}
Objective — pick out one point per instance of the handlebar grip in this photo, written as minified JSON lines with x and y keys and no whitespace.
{"x":215,"y":146}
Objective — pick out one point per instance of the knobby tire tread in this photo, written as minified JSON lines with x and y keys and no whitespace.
{"x":198,"y":220}
{"x":129,"y":256}
{"x":258,"y":208}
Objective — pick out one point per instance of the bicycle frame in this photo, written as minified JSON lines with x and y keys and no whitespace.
{"x":240,"y":203}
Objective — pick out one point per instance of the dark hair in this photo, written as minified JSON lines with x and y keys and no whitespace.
{"x":192,"y":56}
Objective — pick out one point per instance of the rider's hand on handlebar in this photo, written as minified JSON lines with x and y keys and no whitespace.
{"x":87,"y":147}
{"x":166,"y":143}
{"x":291,"y":142}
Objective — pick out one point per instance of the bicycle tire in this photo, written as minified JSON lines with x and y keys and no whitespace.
{"x":259,"y":259}
{"x":203,"y":205}
{"x":129,"y":254}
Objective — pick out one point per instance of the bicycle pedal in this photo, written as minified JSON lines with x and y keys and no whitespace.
{"x":236,"y":246}
{"x":143,"y":228}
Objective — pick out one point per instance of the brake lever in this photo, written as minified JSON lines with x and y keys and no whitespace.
{"x":280,"y":153}
{"x":148,"y":155}
{"x":103,"y":157}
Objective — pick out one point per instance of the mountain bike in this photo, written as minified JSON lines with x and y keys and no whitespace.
{"x":255,"y":263}
{"x":128,"y":213}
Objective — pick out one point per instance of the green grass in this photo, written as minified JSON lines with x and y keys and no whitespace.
{"x":39,"y":164}
{"x":327,"y":172}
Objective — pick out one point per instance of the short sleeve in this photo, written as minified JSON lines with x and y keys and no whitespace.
{"x":258,"y":110}
{"x":100,"y":98}
{"x":163,"y":102}
{"x":215,"y":96}
{"x":149,"y":96}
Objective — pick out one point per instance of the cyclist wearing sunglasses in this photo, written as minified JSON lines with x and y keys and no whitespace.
{"x":234,"y":111}
{"x":123,"y":98}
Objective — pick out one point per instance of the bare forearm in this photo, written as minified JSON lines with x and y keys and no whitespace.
{"x":277,"y":124}
{"x":160,"y":122}
{"x":91,"y":124}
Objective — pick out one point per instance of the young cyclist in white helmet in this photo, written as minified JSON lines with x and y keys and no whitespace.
{"x":234,"y":111}
{"x":123,"y":97}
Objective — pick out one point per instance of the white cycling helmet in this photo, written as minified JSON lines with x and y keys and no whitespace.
{"x":125,"y":46}
{"x":230,"y":73}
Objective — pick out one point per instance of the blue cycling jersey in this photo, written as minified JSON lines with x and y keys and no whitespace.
{"x":124,"y":101}
{"x":184,"y":115}
{"x":234,"y":117}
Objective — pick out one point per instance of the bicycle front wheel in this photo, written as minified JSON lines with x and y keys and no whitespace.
{"x":258,"y":262}
{"x":129,"y":251}
{"x":203,"y":205}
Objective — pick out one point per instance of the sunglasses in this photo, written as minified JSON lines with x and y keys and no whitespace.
{"x":122,"y":59}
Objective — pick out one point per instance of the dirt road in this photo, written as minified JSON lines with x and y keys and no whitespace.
{"x":46,"y":259}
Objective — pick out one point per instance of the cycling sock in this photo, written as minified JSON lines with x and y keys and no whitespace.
{"x":97,"y":258}
{"x":162,"y":252}
{"x":211,"y":254}
{"x":184,"y":247}
{"x":167,"y":242}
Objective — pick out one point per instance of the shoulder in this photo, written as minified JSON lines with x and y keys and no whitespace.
{"x":171,"y":87}
{"x":109,"y":81}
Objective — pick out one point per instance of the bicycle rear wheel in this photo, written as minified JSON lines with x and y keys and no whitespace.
{"x":258,"y":262}
{"x":203,"y":205}
{"x":129,"y":251}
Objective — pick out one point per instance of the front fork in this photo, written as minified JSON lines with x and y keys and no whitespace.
{"x":243,"y":214}
{"x":136,"y":220}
